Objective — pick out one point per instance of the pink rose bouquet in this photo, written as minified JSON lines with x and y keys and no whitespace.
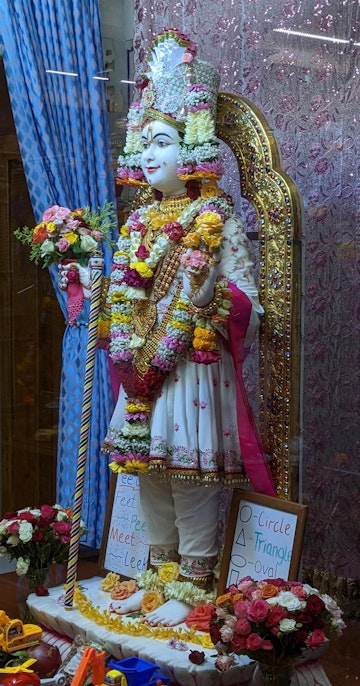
{"x":272,"y":621}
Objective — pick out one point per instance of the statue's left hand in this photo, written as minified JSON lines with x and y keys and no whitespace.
{"x":202,"y":296}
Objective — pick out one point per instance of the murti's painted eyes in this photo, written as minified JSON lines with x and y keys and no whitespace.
{"x":159,"y":143}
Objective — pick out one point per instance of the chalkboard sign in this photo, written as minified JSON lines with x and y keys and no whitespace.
{"x":125,"y":547}
{"x":263,"y":540}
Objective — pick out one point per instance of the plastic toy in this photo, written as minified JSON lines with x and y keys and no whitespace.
{"x":94,"y":661}
{"x":19,"y":675}
{"x":14,"y":635}
{"x":139,"y":672}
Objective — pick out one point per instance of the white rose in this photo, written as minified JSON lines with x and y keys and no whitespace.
{"x":47,"y":247}
{"x":88,"y":244}
{"x":25,"y":531}
{"x":13,"y":540}
{"x":22,"y":566}
{"x":289,"y":601}
{"x":286,"y":626}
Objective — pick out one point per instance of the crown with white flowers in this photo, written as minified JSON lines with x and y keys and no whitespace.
{"x":180,"y":90}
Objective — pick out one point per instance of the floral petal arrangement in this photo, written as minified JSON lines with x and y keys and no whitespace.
{"x":68,"y":234}
{"x":37,"y":537}
{"x":272,"y":621}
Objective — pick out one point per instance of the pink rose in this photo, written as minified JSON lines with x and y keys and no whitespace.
{"x":142,"y":253}
{"x":316,"y":639}
{"x":63,"y":244}
{"x":187,"y":57}
{"x":266,"y":645}
{"x":243,"y":627}
{"x":195,"y":259}
{"x":253,"y":642}
{"x":299,"y":591}
{"x":241,"y":608}
{"x":63,"y":530}
{"x":56,"y":212}
{"x":258,"y":610}
{"x":13,"y":528}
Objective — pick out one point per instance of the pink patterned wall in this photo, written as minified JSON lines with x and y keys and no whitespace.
{"x":308,"y":90}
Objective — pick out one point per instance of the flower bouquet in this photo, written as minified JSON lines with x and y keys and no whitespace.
{"x":69,"y":237}
{"x":36,"y":538}
{"x":272,"y":621}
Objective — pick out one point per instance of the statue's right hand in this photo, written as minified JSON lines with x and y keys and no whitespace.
{"x":84,"y":277}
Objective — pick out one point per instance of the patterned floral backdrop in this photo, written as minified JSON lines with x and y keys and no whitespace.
{"x":307,"y":87}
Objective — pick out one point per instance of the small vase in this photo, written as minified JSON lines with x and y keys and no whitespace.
{"x":35,"y":581}
{"x":276,"y":675}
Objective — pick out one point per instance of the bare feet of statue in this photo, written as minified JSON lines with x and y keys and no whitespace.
{"x":173,"y":612}
{"x":130,"y":604}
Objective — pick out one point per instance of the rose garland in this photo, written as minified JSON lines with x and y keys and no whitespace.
{"x":134,"y":267}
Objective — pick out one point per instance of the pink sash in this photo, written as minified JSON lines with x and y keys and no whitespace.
{"x":256,"y":466}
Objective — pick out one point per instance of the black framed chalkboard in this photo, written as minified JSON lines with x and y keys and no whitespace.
{"x":263,"y":540}
{"x":124,"y":547}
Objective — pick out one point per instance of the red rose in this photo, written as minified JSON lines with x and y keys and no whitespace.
{"x":174,"y":230}
{"x":314,"y":604}
{"x":253,"y":642}
{"x":214,"y":633}
{"x":28,"y":517}
{"x":300,"y":636}
{"x":196,"y":657}
{"x":258,"y":610}
{"x":275,"y":616}
{"x":304,"y":618}
{"x":41,"y":591}
{"x":316,"y":639}
{"x":238,"y":643}
{"x":38,"y":536}
{"x":48,"y":512}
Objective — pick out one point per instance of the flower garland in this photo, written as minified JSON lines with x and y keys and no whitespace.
{"x":184,"y":591}
{"x":185,"y":327}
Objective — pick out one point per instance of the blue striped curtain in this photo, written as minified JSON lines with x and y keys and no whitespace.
{"x":62,"y":128}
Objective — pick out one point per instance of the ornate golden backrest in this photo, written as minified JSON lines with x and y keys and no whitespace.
{"x":275,"y":198}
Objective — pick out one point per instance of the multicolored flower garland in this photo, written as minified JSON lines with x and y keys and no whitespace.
{"x":187,"y":328}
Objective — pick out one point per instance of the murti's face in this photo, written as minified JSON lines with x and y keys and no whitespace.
{"x":159,"y":157}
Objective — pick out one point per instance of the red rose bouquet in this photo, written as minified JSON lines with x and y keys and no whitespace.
{"x":272,"y":621}
{"x":36,"y":538}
